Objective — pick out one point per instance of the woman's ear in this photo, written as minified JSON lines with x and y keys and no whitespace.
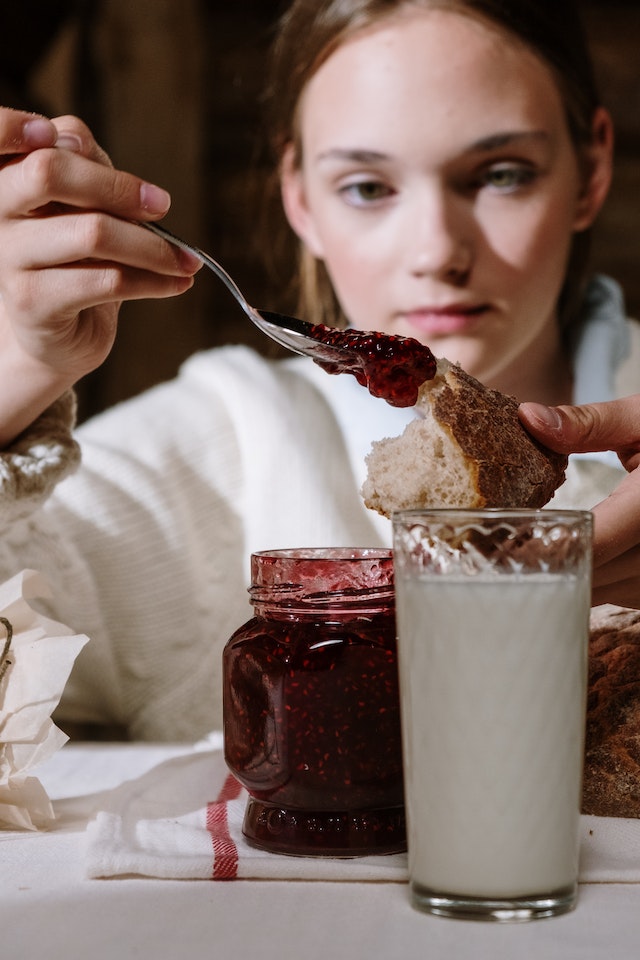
{"x":294,"y":201}
{"x":599,"y":164}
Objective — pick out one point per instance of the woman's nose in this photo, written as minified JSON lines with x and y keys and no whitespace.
{"x":441,"y":246}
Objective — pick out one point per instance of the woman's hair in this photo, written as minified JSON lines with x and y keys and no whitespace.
{"x":311,"y":30}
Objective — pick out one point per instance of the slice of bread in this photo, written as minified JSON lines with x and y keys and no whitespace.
{"x":466,"y":448}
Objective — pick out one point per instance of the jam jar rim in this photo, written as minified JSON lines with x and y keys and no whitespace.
{"x":326,"y":553}
{"x":300,"y":594}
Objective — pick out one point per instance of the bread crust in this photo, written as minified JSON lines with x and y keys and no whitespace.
{"x":611,"y":786}
{"x":468,"y":450}
{"x":511,"y":468}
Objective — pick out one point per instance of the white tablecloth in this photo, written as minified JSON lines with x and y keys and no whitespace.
{"x":49,"y":909}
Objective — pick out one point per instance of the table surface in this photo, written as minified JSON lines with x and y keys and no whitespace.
{"x":49,"y":909}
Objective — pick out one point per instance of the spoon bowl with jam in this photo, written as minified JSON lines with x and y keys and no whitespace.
{"x":390,"y":367}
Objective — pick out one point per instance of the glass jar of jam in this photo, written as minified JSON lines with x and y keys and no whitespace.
{"x":311,"y":704}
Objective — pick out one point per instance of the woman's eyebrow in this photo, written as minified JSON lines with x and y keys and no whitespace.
{"x":355,"y":154}
{"x":505,"y":139}
{"x":485,"y":144}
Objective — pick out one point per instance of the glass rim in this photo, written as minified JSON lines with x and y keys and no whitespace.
{"x":536,"y":513}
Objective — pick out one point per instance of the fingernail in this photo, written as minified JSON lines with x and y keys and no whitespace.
{"x":547,"y":417}
{"x":39,"y":132}
{"x":69,"y":141}
{"x":154,"y":199}
{"x":189,"y":261}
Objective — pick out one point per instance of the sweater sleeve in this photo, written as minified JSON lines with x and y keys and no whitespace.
{"x":141,"y":550}
{"x":33,"y":465}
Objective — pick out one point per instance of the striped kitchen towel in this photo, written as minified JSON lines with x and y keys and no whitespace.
{"x":182,"y":819}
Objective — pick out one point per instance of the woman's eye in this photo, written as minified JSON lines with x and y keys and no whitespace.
{"x":508,"y":178}
{"x":364,"y":192}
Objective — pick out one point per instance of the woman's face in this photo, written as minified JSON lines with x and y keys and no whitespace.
{"x":440,"y":187}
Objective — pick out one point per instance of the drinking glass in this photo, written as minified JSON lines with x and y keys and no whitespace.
{"x":493,"y":619}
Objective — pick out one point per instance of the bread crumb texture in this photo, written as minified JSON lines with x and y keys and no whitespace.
{"x":466,"y":448}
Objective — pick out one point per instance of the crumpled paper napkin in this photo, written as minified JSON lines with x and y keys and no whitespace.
{"x":34,"y":670}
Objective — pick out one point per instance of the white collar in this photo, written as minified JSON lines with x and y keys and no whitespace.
{"x":602,"y":346}
{"x":603,"y":342}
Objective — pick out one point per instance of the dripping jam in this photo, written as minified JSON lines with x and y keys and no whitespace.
{"x":390,"y":367}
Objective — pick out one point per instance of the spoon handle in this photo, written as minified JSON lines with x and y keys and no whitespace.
{"x":204,"y":258}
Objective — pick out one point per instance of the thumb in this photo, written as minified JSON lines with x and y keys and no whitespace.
{"x":614,"y":425}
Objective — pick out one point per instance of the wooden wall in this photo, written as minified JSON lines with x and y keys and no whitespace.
{"x":172,"y":88}
{"x":614,"y":31}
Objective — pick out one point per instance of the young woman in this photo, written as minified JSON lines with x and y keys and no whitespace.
{"x":441,"y":164}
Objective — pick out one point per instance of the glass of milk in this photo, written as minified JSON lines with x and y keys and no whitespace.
{"x":493,"y":622}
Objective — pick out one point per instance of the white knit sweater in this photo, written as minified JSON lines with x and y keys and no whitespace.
{"x":147,"y":546}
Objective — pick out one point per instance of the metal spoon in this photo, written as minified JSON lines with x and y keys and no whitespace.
{"x":289,"y":332}
{"x":390,"y":367}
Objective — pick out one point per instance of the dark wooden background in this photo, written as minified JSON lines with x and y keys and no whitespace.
{"x":172,"y":89}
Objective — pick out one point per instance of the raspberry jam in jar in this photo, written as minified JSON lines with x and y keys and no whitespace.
{"x":311,"y":704}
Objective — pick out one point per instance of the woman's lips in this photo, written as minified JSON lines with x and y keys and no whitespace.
{"x":445,"y":321}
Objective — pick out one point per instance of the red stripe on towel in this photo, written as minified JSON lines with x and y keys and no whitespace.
{"x":225,"y":852}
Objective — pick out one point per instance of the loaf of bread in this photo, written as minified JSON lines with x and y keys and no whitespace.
{"x":466,"y":448}
{"x":612,"y":750}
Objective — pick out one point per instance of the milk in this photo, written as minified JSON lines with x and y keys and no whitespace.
{"x":493,"y":684}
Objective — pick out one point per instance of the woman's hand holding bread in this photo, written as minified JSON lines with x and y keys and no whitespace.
{"x":603,"y":426}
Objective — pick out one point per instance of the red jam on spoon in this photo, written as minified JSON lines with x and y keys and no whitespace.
{"x":391,"y":367}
